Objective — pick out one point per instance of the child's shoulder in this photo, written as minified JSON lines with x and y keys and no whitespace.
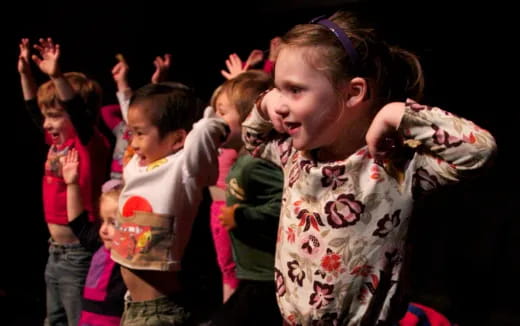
{"x":257,"y":169}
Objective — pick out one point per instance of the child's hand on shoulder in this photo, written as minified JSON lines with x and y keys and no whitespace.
{"x":69,"y":167}
{"x":227,"y":217}
{"x":268,"y":106}
{"x":381,"y":134}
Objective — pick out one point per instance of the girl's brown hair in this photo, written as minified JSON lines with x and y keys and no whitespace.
{"x":393,"y":74}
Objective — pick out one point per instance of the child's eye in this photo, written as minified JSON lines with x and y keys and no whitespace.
{"x":295,"y":90}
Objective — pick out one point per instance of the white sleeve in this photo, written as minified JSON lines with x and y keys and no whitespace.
{"x":124,"y":102}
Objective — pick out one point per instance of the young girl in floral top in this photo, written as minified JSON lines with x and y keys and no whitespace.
{"x":356,"y":152}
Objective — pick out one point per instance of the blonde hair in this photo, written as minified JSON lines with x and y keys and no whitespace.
{"x":214,"y":97}
{"x":243,"y":90}
{"x":394,"y":74}
{"x":111,"y":189}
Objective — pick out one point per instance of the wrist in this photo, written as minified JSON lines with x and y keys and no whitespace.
{"x":393,"y":114}
{"x":72,"y":184}
{"x":56,"y":75}
{"x":24,"y":73}
{"x":123,"y":87}
{"x":233,"y":215}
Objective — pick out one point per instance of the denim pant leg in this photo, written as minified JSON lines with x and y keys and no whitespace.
{"x":55,"y":311}
{"x":65,"y":275}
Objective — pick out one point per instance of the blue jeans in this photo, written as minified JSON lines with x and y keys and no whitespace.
{"x":65,"y":273}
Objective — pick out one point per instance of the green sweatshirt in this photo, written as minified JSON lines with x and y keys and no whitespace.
{"x":256,"y":185}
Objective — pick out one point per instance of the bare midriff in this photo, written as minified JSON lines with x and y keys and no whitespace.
{"x":62,"y":234}
{"x":146,"y":285}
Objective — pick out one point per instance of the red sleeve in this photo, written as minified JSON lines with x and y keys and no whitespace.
{"x":268,"y":66}
{"x":111,"y":115}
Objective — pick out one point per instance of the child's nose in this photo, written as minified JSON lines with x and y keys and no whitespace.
{"x":46,"y":124}
{"x":282,"y":110}
{"x":133,"y":143}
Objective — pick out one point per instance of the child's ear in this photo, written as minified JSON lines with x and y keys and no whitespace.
{"x":178,"y":138}
{"x":356,"y":91}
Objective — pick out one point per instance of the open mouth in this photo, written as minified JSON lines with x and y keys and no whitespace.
{"x":292,"y":127}
{"x":55,"y":137}
{"x":142,"y":160}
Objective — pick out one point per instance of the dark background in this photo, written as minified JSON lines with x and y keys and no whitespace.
{"x":466,"y":237}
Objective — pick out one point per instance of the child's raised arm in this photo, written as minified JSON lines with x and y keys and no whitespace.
{"x":70,"y":166}
{"x":124,"y":92}
{"x":120,"y":74}
{"x":274,"y":49}
{"x":449,"y":148}
{"x":162,"y":66}
{"x":254,"y":58}
{"x":29,"y":88}
{"x":24,"y":69}
{"x":234,"y":65}
{"x":87,"y":232}
{"x":48,"y":62}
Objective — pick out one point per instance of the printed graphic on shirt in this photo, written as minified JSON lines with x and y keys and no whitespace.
{"x":133,"y":239}
{"x":142,"y":238}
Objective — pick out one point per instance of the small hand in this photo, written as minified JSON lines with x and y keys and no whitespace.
{"x":254,"y":58}
{"x":162,"y":65}
{"x":274,"y":48}
{"x":234,"y":65}
{"x":120,"y":75}
{"x":381,"y":136}
{"x":23,"y":59}
{"x":227,"y":217}
{"x":49,"y":53}
{"x":272,"y":109}
{"x":69,"y":166}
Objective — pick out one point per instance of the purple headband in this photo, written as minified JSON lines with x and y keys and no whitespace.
{"x":111,"y":185}
{"x":342,"y":37}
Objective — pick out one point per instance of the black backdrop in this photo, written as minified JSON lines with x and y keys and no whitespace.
{"x":466,"y":238}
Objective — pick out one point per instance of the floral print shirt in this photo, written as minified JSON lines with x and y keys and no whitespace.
{"x":343,"y":224}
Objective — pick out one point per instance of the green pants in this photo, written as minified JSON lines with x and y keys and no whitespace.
{"x":158,"y":312}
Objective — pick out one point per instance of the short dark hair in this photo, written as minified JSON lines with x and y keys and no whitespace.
{"x":170,"y":106}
